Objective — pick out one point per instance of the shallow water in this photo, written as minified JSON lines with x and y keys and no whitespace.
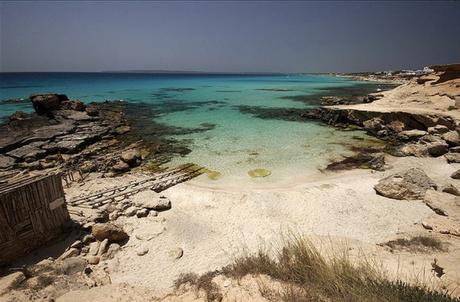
{"x":237,"y":142}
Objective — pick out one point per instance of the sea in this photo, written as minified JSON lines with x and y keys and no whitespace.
{"x":234,"y":138}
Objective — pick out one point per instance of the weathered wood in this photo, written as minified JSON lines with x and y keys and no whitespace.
{"x":32,"y":211}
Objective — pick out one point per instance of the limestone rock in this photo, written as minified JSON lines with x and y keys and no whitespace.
{"x":151,"y":200}
{"x":456,"y":174}
{"x":73,"y":105}
{"x":77,"y":244}
{"x":109,"y":231}
{"x":46,"y":103}
{"x":93,"y":248}
{"x":132,"y":157}
{"x":411,"y":184}
{"x":452,"y":138}
{"x":452,"y":157}
{"x":87,"y":239}
{"x":374,"y":125}
{"x":120,"y":167}
{"x":6,"y":162}
{"x":72,"y":252}
{"x":455,"y":149}
{"x":103,"y":247}
{"x":93,"y":260}
{"x":73,"y":265}
{"x":437,"y":202}
{"x":142,"y":251}
{"x":418,"y":150}
{"x":113,"y":249}
{"x":414,"y":133}
{"x":437,"y":148}
{"x":438,"y":129}
{"x":11,"y":281}
{"x":92,"y":110}
{"x":131,"y":211}
{"x":451,"y":189}
{"x":142,"y":213}
{"x":176,"y":253}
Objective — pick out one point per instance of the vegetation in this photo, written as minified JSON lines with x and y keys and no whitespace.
{"x":308,"y":276}
{"x":418,"y":243}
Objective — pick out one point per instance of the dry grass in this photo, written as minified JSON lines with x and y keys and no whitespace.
{"x":308,"y":276}
{"x":418,"y":243}
{"x":203,"y":282}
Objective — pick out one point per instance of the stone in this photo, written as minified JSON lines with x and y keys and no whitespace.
{"x":99,"y":216}
{"x":153,"y":213}
{"x":435,"y":201}
{"x":374,"y":125}
{"x":259,"y":173}
{"x":77,"y":244}
{"x":151,"y":200}
{"x":73,"y":265}
{"x":132,"y":157}
{"x":418,"y":150}
{"x":437,"y":148}
{"x":73,"y":105}
{"x":410,"y":184}
{"x":114,"y":215}
{"x":46,"y":103}
{"x":92,"y":110}
{"x":11,"y":281}
{"x":131,"y":211}
{"x":456,"y":174}
{"x":451,"y":189}
{"x":93,"y":260}
{"x":142,"y":213}
{"x":113,"y":249}
{"x":176,"y":253}
{"x":71,"y":252}
{"x":109,"y":231}
{"x":142,"y":251}
{"x":6,"y":162}
{"x":103,"y":247}
{"x":412,"y":134}
{"x":94,"y":248}
{"x":122,"y":130}
{"x":438,"y":129}
{"x":87,"y":239}
{"x":88,"y":167}
{"x":455,"y":149}
{"x":29,"y":151}
{"x":452,"y":138}
{"x":120,"y":167}
{"x":452,"y":157}
{"x":18,"y":116}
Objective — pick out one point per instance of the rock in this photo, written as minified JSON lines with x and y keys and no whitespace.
{"x":122,"y":130}
{"x":72,"y":252}
{"x":93,"y":260}
{"x":452,"y":157}
{"x":434,"y":200}
{"x":113,"y":249}
{"x":11,"y":281}
{"x":73,"y":105}
{"x":259,"y":173}
{"x":142,"y":251}
{"x":99,"y":217}
{"x":411,"y":184}
{"x":29,"y":152}
{"x":374,"y":125}
{"x":153,"y":213}
{"x":88,"y":167}
{"x":18,"y":116}
{"x":142,"y":213}
{"x":73,"y":265}
{"x":418,"y":150}
{"x":93,"y":248}
{"x":456,"y":174}
{"x":437,"y":148}
{"x":438,"y":129}
{"x":452,"y":138}
{"x":412,"y":134}
{"x":6,"y":162}
{"x":92,"y":110}
{"x":109,"y":231}
{"x":77,"y":244}
{"x":455,"y":149}
{"x":131,"y":157}
{"x":131,"y":211}
{"x":46,"y":103}
{"x":114,"y":215}
{"x":151,"y":200}
{"x":103,"y":247}
{"x":120,"y":167}
{"x":87,"y":239}
{"x":451,"y":189}
{"x":176,"y":253}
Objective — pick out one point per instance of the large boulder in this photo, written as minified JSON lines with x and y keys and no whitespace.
{"x":75,"y":105}
{"x":109,"y":231}
{"x":46,"y":103}
{"x":411,"y":184}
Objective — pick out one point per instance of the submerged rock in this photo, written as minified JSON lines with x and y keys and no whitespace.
{"x":259,"y":173}
{"x":214,"y":175}
{"x":411,"y":184}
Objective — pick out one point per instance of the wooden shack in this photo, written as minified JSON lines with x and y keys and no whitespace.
{"x":32,"y":212}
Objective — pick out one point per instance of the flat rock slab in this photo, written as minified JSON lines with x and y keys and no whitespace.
{"x":443,"y":203}
{"x":32,"y":150}
{"x":6,"y":162}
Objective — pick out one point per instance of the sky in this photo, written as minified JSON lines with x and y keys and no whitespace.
{"x":232,"y":36}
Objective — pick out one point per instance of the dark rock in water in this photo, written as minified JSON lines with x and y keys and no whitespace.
{"x":411,"y":184}
{"x":46,"y":103}
{"x":360,"y":160}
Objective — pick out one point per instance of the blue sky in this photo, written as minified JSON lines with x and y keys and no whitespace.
{"x":275,"y":36}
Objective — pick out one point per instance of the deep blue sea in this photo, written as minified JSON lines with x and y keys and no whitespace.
{"x":239,"y":141}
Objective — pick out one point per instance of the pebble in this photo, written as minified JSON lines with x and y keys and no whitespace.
{"x":142,"y":251}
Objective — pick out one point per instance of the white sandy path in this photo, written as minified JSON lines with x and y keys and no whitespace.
{"x":213,"y":226}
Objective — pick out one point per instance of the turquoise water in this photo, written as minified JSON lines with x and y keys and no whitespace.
{"x":238,"y":142}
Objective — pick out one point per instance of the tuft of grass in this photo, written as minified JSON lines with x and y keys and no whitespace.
{"x":417,"y":243}
{"x":203,"y":282}
{"x":308,"y":276}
